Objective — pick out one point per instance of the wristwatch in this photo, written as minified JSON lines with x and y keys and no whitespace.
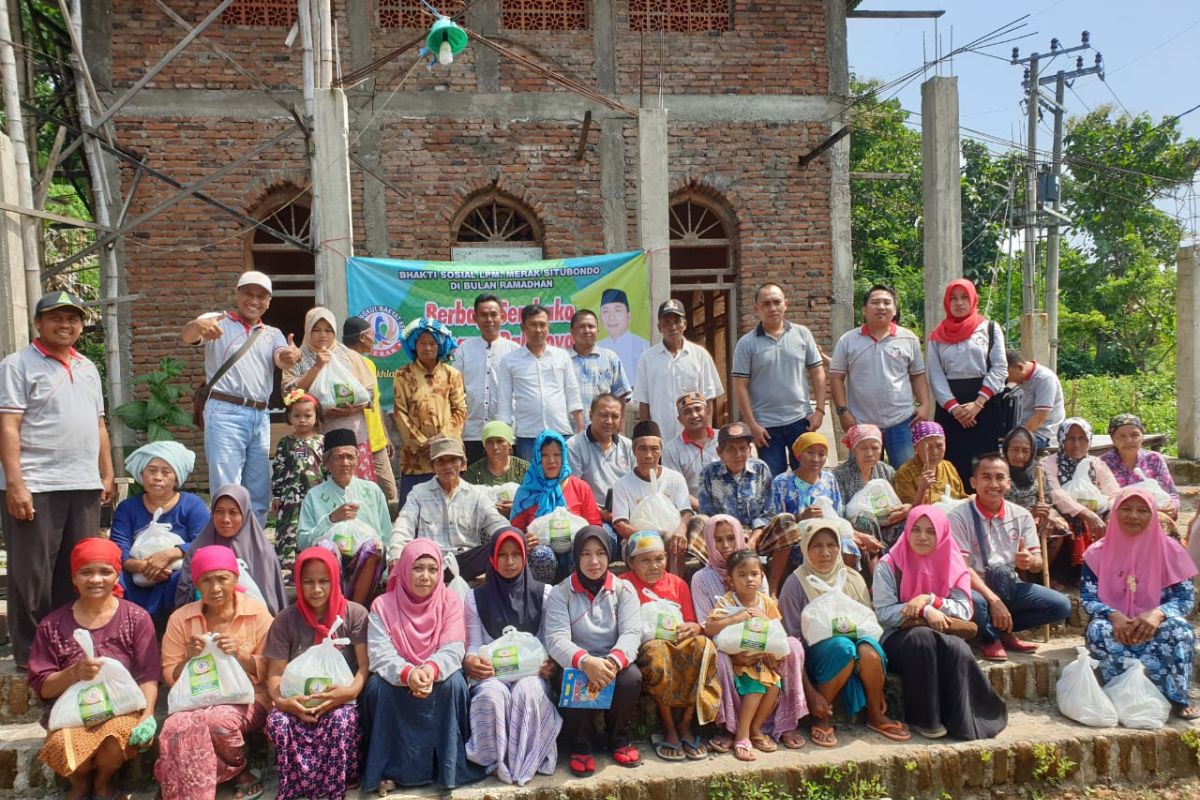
{"x":840,"y":410}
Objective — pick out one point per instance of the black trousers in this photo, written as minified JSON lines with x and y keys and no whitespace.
{"x":578,"y":728}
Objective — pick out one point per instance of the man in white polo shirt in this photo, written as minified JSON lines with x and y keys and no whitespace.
{"x":56,"y":464}
{"x":696,"y":445}
{"x":539,"y":389}
{"x":878,"y":376}
{"x":237,"y":426}
{"x":670,"y":368}
{"x":1040,"y":406}
{"x":772,"y":367}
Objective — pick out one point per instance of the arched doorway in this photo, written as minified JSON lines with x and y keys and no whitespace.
{"x":704,"y":277}
{"x":496,"y":227}
{"x":292,"y":270}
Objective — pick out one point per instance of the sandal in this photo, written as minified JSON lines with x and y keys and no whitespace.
{"x":743,"y":750}
{"x":792,"y":740}
{"x":1187,"y":712}
{"x":665,"y":750}
{"x":720,"y":743}
{"x":891,"y":729}
{"x":386,"y":788}
{"x":627,"y":756}
{"x":251,"y":790}
{"x":582,"y":765}
{"x":764,"y":743}
{"x":694,"y":748}
{"x":823,"y":735}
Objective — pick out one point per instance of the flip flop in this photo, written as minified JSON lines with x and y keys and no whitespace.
{"x":582,"y":765}
{"x":719,"y":745}
{"x":891,"y":730}
{"x":249,"y":791}
{"x":797,"y":741}
{"x":823,"y":735}
{"x":743,"y":750}
{"x":665,"y":750}
{"x":1188,"y":712}
{"x":764,"y":743}
{"x":694,"y":748}
{"x":385,"y":788}
{"x":627,"y":756}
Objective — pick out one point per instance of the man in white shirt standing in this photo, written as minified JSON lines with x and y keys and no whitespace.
{"x":696,"y":445}
{"x":538,"y":386}
{"x":671,"y":368}
{"x":478,"y":359}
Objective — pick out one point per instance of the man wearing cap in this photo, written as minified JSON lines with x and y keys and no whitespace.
{"x":55,"y":464}
{"x":634,"y":487}
{"x":237,"y":427}
{"x":460,"y":517}
{"x":739,"y":484}
{"x":478,"y":359}
{"x":614,"y":313}
{"x":696,"y":445}
{"x":599,"y":371}
{"x":538,"y":387}
{"x":670,"y":368}
{"x":359,"y":337}
{"x":600,"y":455}
{"x":772,"y":368}
{"x":344,"y":497}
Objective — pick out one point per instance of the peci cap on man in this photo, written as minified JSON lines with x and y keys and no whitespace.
{"x":670,"y":307}
{"x":339,"y":437}
{"x":55,"y":300}
{"x":614,"y":296}
{"x":440,"y":446}
{"x":646,"y":427}
{"x":353,"y":328}
{"x":734,"y":432}
{"x":255,"y":278}
{"x":689,"y":398}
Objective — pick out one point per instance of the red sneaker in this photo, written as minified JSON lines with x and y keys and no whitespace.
{"x":1011,"y":642}
{"x":993,"y":651}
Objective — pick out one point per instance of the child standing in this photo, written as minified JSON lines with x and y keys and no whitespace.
{"x":295,"y":469}
{"x":757,"y":679}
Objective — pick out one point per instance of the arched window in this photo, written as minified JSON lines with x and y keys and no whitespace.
{"x":499,"y":224}
{"x":704,"y":272}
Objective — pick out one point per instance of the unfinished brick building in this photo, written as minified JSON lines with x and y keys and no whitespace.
{"x":444,"y":160}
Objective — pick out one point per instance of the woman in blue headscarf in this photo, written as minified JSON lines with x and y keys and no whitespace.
{"x":429,"y":399}
{"x":548,"y":485}
{"x":149,"y":579}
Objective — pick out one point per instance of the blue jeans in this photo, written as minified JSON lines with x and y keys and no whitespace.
{"x":778,"y":452}
{"x":1041,"y":441}
{"x":898,"y":443}
{"x":1031,"y":605}
{"x":524,"y":447}
{"x":237,"y":442}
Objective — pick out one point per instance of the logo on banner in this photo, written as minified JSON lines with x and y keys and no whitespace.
{"x":387,"y":327}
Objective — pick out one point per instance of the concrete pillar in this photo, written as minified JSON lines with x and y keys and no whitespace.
{"x":332,"y":226}
{"x":1187,"y":360}
{"x":941,"y":190}
{"x":1035,"y":336}
{"x":14,"y":323}
{"x":654,"y":235}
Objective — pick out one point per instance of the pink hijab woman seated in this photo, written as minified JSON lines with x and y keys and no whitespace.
{"x":922,"y":596}
{"x":1136,"y":584}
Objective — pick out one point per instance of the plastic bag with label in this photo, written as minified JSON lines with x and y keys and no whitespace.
{"x":515,"y":654}
{"x":1079,"y":694}
{"x":755,"y":635}
{"x":246,"y":583}
{"x":1161,"y":498}
{"x":1138,"y":701}
{"x":655,"y":511}
{"x":660,"y":619}
{"x":835,"y":613}
{"x":877,"y":499}
{"x":336,"y":387}
{"x":111,"y":693}
{"x":350,"y":534}
{"x":213,"y":678}
{"x":317,"y":668}
{"x":557,"y":529}
{"x":154,"y":538}
{"x":1081,"y":489}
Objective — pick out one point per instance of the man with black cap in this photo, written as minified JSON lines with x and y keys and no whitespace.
{"x":670,"y":368}
{"x":344,"y":497}
{"x":739,"y":484}
{"x":614,"y":313}
{"x":358,"y":335}
{"x":55,"y":464}
{"x":636,"y":486}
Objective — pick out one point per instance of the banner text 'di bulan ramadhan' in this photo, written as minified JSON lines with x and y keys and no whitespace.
{"x":389,"y":293}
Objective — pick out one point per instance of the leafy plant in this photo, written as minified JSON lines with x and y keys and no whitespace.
{"x":160,"y":411}
{"x":1191,"y":739}
{"x":837,"y":783}
{"x":1050,"y":765}
{"x":985,"y":756}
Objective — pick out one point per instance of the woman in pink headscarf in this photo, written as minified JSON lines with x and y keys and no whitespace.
{"x":922,"y":596}
{"x":416,"y":705}
{"x":1136,"y":584}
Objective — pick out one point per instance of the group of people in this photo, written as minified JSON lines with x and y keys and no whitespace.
{"x":512,"y":512}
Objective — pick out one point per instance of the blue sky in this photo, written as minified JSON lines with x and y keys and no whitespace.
{"x":1149,"y":53}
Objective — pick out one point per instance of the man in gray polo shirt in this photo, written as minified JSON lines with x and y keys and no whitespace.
{"x":878,"y":375}
{"x":769,"y":381}
{"x":56,"y":464}
{"x":1040,"y":406}
{"x":237,"y":427}
{"x":600,"y":455}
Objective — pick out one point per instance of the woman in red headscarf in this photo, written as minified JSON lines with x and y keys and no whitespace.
{"x":321,"y":728}
{"x":202,"y":747}
{"x":90,"y":756}
{"x":967,"y":368}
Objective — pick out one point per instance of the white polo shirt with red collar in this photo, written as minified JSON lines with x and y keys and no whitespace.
{"x":878,"y":374}
{"x":1001,"y":532}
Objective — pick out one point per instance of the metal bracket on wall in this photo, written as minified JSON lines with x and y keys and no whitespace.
{"x":829,"y":142}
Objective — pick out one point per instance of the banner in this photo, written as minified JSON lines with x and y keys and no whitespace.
{"x":389,"y":293}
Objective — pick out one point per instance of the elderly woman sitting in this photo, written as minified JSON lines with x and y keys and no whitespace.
{"x":90,"y":756}
{"x":150,"y":580}
{"x":928,"y":477}
{"x":863,"y":466}
{"x":1131,"y":464}
{"x":1085,"y":515}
